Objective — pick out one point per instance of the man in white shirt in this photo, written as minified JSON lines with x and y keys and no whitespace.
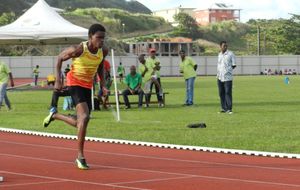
{"x":226,"y":64}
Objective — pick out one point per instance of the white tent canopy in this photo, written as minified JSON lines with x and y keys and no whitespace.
{"x":41,"y":24}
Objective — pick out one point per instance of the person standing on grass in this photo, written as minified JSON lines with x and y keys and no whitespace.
{"x":36,"y":73}
{"x":5,"y":73}
{"x":134,"y":83}
{"x":188,"y":68}
{"x":121,"y":72}
{"x":153,"y":60}
{"x":226,"y":64}
{"x":147,"y":70}
{"x":104,"y":99}
{"x":87,"y":59}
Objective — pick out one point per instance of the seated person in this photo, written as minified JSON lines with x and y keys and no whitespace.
{"x":134,"y":82}
{"x":51,"y":79}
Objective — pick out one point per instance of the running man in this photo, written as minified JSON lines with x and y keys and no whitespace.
{"x":87,"y":59}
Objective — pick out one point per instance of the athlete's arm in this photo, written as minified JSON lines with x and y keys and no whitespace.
{"x":71,"y":52}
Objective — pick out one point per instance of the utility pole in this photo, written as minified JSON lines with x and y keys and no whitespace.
{"x":258,"y":40}
{"x":265,"y":42}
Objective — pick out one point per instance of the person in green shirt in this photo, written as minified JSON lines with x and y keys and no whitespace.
{"x":147,"y":70}
{"x":5,"y":73}
{"x":36,"y":74}
{"x":134,"y":83}
{"x":188,"y":68}
{"x":121,"y":72}
{"x":156,"y":63}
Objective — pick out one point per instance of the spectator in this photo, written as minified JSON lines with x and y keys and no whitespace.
{"x":121,"y":72}
{"x":147,"y":70}
{"x":154,"y":61}
{"x":134,"y":82}
{"x":226,"y":64}
{"x":51,"y":79}
{"x":5,"y":73}
{"x":188,"y":68}
{"x":104,"y":99}
{"x":266,"y":72}
{"x":67,"y":69}
{"x":36,"y":73}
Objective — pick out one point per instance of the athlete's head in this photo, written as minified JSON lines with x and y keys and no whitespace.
{"x":97,"y":35}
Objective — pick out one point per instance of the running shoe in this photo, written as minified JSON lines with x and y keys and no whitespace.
{"x":81,"y":164}
{"x":49,"y":118}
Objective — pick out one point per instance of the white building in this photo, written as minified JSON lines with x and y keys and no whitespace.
{"x":168,"y":14}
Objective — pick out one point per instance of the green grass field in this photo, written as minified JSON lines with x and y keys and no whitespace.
{"x":266,"y":116}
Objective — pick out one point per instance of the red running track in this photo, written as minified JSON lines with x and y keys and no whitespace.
{"x":32,"y":162}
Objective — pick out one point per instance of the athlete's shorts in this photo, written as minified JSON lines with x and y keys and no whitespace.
{"x":80,"y":94}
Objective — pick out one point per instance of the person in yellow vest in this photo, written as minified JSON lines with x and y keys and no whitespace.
{"x":50,"y":79}
{"x":188,"y":68}
{"x":87,"y":59}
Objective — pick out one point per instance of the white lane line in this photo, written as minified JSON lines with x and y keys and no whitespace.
{"x":26,"y":184}
{"x":95,"y":165}
{"x":70,"y":180}
{"x":159,"y":158}
{"x":171,"y":173}
{"x":152,"y":180}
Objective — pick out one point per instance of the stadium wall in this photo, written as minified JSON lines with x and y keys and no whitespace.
{"x":22,"y":67}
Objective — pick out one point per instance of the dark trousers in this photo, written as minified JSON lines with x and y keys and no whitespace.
{"x":159,"y":98}
{"x":127,"y":92}
{"x":36,"y":80}
{"x":225,"y":93}
{"x":56,"y":94}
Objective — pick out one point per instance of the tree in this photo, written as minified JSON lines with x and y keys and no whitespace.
{"x":281,"y":36}
{"x":187,"y":26}
{"x":7,"y":18}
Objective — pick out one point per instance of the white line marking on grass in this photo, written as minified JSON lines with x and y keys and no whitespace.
{"x":157,"y":158}
{"x":71,"y":180}
{"x":141,"y":121}
{"x":37,"y":183}
{"x":160,"y":145}
{"x":153,"y":171}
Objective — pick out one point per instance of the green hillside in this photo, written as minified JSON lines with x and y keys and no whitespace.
{"x":117,"y":21}
{"x":17,"y":6}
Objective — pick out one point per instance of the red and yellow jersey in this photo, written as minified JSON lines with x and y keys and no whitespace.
{"x":84,"y":68}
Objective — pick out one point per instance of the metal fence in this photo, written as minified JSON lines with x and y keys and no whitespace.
{"x":22,"y":67}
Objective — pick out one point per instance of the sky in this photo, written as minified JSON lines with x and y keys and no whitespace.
{"x":256,"y":9}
